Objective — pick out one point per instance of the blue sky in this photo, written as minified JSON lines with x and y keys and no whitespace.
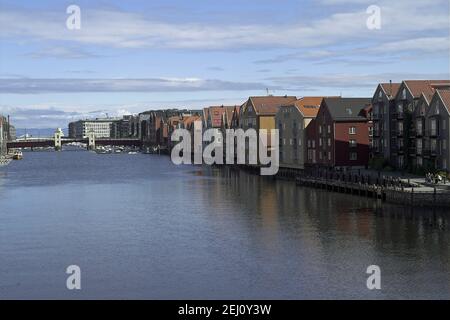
{"x":131,"y":56}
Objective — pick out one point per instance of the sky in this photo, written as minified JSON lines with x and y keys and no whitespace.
{"x":131,"y":56}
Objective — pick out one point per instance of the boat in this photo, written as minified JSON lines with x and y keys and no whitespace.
{"x":132,"y":152}
{"x":17,"y":155}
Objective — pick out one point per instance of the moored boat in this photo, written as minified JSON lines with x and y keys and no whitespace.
{"x":17,"y":155}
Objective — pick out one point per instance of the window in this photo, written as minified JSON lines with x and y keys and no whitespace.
{"x":433,"y":127}
{"x":401,"y":161}
{"x":353,"y":143}
{"x":352,"y":130}
{"x":353,"y":156}
{"x":320,"y":129}
{"x":320,"y":142}
{"x":419,"y":162}
{"x":419,"y":127}
{"x":329,"y":129}
{"x":444,"y":124}
{"x":400,"y":127}
{"x":329,"y":142}
{"x":329,"y":155}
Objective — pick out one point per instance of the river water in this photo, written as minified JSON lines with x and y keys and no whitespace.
{"x":140,"y":227}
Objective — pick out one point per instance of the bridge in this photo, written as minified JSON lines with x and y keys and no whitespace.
{"x":51,"y":143}
{"x":58,"y":141}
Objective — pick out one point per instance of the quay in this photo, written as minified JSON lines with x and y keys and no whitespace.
{"x":402,"y":193}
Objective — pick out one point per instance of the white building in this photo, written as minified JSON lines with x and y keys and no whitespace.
{"x":101,"y":128}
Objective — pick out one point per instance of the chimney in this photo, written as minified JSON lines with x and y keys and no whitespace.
{"x":390,"y":88}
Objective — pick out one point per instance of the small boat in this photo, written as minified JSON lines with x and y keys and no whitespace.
{"x":132,"y":152}
{"x":17,"y":155}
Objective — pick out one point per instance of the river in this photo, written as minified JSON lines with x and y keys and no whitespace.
{"x":140,"y":227}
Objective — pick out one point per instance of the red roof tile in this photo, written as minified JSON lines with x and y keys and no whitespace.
{"x":269,"y":105}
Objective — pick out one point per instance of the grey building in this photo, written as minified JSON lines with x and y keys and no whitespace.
{"x":394,"y":131}
{"x":291,"y":122}
{"x":437,"y":147}
{"x":383,"y":105}
{"x":4,"y":132}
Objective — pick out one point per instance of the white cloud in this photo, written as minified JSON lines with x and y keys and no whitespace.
{"x":36,"y":86}
{"x":346,"y":81}
{"x":133,"y":30}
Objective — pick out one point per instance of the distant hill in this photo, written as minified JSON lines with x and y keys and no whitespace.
{"x":35,"y":132}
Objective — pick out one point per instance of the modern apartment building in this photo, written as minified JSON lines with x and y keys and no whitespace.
{"x":291,"y":122}
{"x":102,"y":128}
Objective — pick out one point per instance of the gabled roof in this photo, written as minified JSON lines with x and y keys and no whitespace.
{"x":216,"y":114}
{"x":390,"y":89}
{"x":347,"y":109}
{"x":309,"y":106}
{"x":228,"y":115}
{"x":269,"y":105}
{"x":188,"y":121}
{"x":445,"y":97}
{"x":205,"y":114}
{"x":427,"y":87}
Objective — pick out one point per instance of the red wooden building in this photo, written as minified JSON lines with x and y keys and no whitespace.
{"x":339,"y":137}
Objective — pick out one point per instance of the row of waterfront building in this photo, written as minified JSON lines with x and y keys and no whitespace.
{"x":404,"y":126}
{"x":7,"y":133}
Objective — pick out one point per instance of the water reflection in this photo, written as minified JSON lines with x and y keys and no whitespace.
{"x":165,"y":231}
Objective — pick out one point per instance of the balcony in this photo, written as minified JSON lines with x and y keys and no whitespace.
{"x":419,"y":133}
{"x":431,"y":152}
{"x":433,"y":133}
{"x":398,"y":115}
{"x":435,"y":152}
